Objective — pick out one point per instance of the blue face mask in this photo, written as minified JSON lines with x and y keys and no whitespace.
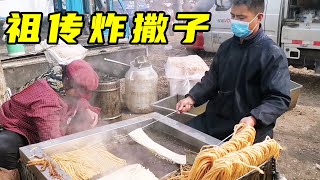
{"x":241,"y":28}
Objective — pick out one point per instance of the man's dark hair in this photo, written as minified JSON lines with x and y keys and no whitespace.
{"x":256,"y":6}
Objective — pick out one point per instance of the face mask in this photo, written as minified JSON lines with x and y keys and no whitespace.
{"x":241,"y":29}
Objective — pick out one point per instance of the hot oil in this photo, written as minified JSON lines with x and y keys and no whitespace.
{"x":124,"y":147}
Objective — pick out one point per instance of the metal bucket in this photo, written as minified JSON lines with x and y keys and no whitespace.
{"x":15,"y":49}
{"x":107,"y":97}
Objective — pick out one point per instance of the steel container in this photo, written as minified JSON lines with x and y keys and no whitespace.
{"x":165,"y":131}
{"x":295,"y":90}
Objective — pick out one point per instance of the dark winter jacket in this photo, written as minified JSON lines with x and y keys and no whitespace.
{"x":245,"y":79}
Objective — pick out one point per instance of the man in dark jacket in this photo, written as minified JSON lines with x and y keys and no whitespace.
{"x":248,"y":81}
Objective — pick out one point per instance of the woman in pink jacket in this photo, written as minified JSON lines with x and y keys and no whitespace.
{"x":44,"y":109}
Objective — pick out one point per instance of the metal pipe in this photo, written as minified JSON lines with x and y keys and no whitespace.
{"x":110,"y":5}
{"x":89,"y":6}
{"x":117,"y":62}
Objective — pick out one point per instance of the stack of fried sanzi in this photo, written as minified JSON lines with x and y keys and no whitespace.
{"x":233,"y":159}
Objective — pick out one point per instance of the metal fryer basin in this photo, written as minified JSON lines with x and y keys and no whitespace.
{"x":295,"y":90}
{"x":167,"y":132}
{"x":168,"y":105}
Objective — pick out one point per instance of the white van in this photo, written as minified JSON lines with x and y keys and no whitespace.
{"x":292,"y":24}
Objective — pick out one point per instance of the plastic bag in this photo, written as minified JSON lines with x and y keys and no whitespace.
{"x":184,"y":72}
{"x":62,"y":53}
{"x":181,"y":87}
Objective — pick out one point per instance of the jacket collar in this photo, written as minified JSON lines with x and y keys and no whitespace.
{"x":250,"y":39}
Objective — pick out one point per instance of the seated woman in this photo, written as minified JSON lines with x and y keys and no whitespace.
{"x":45,"y":108}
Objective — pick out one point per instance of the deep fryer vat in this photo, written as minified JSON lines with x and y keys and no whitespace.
{"x":168,"y":105}
{"x":295,"y":90}
{"x":167,"y":132}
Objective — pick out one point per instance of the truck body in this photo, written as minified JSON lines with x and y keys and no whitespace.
{"x":293,"y":24}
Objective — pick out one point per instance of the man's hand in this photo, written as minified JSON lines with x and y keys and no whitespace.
{"x":94,"y":117}
{"x":185,"y":105}
{"x":250,"y":121}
